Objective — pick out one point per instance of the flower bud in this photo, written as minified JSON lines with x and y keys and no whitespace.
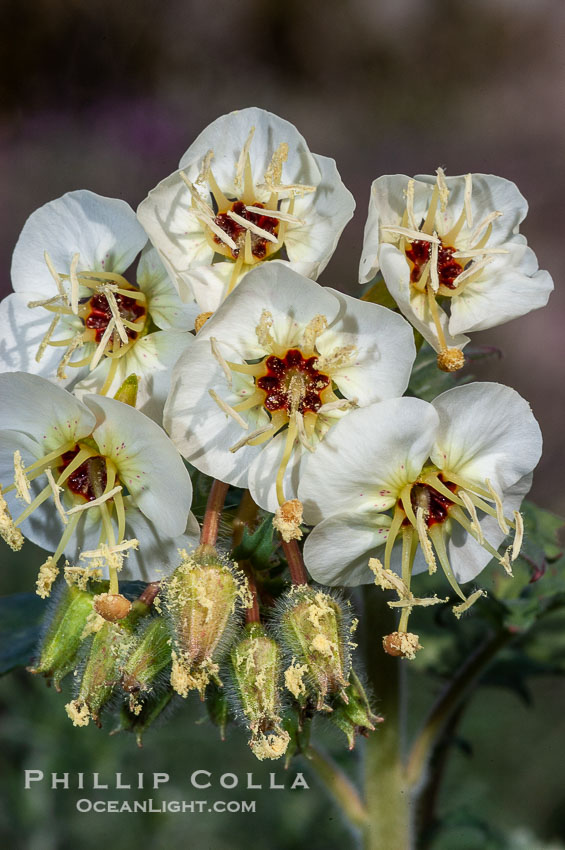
{"x":154,"y":709}
{"x":149,"y":655}
{"x":355,"y":716}
{"x":256,"y":664}
{"x":315,"y":629}
{"x":111,"y":645}
{"x":127,"y":393}
{"x":200,"y":599}
{"x":70,"y":622}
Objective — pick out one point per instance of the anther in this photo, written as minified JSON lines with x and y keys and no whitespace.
{"x":519,"y":536}
{"x":20,"y":479}
{"x":503,"y":525}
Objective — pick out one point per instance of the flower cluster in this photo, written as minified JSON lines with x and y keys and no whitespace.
{"x":192,"y":341}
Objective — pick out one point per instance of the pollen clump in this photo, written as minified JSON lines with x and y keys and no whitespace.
{"x":78,"y":712}
{"x":48,"y":572}
{"x":9,"y":532}
{"x":201,"y":320}
{"x":450,"y":360}
{"x":270,"y":746}
{"x":401,"y":644}
{"x":287,"y":520}
{"x":294,"y":679}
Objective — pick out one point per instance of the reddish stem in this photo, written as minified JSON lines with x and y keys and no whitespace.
{"x":213,"y":513}
{"x":295,"y":561}
{"x":252,"y":614}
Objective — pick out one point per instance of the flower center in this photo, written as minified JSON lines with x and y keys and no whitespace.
{"x":291,"y":376}
{"x":113,"y":317}
{"x":419,"y":253}
{"x":435,"y":505}
{"x":260,"y":245}
{"x":96,"y":314}
{"x":89,"y":479}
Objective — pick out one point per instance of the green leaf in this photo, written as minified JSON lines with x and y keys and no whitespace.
{"x":257,"y":547}
{"x":20,"y":623}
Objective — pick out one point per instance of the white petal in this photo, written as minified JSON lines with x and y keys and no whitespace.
{"x":385,"y":350}
{"x":486,"y":430}
{"x":201,"y":431}
{"x":366,"y":458}
{"x":227,"y":135}
{"x":325,"y":213}
{"x":36,"y":407}
{"x":414,"y":304}
{"x":387,"y":203}
{"x":509,"y":287}
{"x":148,"y":463}
{"x":467,"y":557}
{"x":152,"y":359}
{"x":164,"y":304}
{"x":104,"y":231}
{"x":21,"y":331}
{"x":210,"y":284}
{"x":292,"y":300}
{"x":177,"y":234}
{"x":337,"y":551}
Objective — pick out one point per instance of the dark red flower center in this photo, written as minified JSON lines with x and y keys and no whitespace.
{"x":276,"y":383}
{"x":89,"y":479}
{"x":448,"y":268}
{"x":237,"y":231}
{"x":98,"y":313}
{"x":436,"y":505}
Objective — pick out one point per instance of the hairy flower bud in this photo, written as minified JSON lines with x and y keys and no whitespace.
{"x":315,"y":629}
{"x":149,"y":655}
{"x":72,"y":618}
{"x":155,"y":708}
{"x":111,"y":645}
{"x":257,"y":665}
{"x":355,"y":716}
{"x":201,"y":598}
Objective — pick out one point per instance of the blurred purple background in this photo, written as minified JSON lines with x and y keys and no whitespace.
{"x":107,"y":96}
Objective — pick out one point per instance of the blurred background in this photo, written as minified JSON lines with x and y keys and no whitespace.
{"x":107,"y":96}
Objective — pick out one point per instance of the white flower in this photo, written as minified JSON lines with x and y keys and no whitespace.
{"x":75,"y":316}
{"x":425,"y":481}
{"x":97,"y":476}
{"x":275,"y":367}
{"x":248,"y":189}
{"x":451,"y":255}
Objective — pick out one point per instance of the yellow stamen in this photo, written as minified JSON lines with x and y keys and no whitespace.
{"x":20,"y":479}
{"x":460,"y":609}
{"x":475,"y":524}
{"x":254,"y":228}
{"x":252,"y":436}
{"x":94,"y":503}
{"x":74,"y":283}
{"x":519,"y":536}
{"x":56,"y":277}
{"x":218,"y":355}
{"x":8,"y":530}
{"x":56,"y":490}
{"x":436,"y":535}
{"x":503,"y":525}
{"x":76,"y":342}
{"x":425,"y":544}
{"x":44,"y":342}
{"x":229,"y":411}
{"x":101,"y":347}
{"x":467,"y":200}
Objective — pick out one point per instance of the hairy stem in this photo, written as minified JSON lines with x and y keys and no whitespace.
{"x":387,"y":796}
